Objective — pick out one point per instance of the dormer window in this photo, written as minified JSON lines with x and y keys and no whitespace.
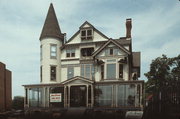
{"x":86,"y":34}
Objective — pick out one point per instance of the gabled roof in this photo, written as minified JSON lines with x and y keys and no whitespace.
{"x":77,"y":78}
{"x":51,"y":27}
{"x":136,"y":59}
{"x":86,"y":22}
{"x":108,"y":42}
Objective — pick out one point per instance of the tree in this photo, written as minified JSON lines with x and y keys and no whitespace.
{"x":18,"y":103}
{"x":163,"y":86}
{"x":176,"y":68}
{"x":160,"y":70}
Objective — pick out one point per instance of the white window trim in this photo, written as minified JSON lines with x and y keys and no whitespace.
{"x":71,"y":53}
{"x":91,"y":76}
{"x":53,"y":57}
{"x":105,"y":68}
{"x":86,"y":36}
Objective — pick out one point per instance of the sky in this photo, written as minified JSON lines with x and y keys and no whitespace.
{"x":155,"y":30}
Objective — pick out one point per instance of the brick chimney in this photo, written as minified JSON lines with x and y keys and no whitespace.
{"x":128,"y":28}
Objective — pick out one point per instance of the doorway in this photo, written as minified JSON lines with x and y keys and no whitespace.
{"x":78,"y":96}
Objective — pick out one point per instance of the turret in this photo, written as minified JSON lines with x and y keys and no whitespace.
{"x":51,"y":40}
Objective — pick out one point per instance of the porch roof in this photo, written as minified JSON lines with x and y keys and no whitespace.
{"x":42,"y":85}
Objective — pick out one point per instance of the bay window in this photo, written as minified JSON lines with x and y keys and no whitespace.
{"x":87,"y":71}
{"x":111,"y":71}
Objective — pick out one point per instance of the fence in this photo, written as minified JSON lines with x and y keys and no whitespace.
{"x":165,"y":103}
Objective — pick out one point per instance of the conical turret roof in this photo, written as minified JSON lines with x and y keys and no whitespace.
{"x":51,"y":27}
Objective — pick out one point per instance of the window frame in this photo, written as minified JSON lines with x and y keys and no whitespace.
{"x":83,"y":71}
{"x":41,"y":71}
{"x":87,"y":53}
{"x":70,"y":53}
{"x":102,"y":72}
{"x":110,"y":61}
{"x":51,"y":51}
{"x":55,"y":73}
{"x":68,"y":69}
{"x":86,"y":36}
{"x":121,"y":70}
{"x":41,"y":53}
{"x":111,"y":51}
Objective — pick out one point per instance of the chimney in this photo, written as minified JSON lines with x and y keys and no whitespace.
{"x":128,"y":28}
{"x":65,"y":38}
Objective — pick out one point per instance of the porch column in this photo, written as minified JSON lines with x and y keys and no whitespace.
{"x":47,"y":97}
{"x":26,"y":99}
{"x":69,"y":88}
{"x":92,"y":96}
{"x":87,"y":87}
{"x":44,"y":96}
{"x":65,"y":97}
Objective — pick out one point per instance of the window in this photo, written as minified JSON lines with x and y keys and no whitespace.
{"x":120,"y":70}
{"x":102,"y":71}
{"x":111,"y":51}
{"x":53,"y":73}
{"x":70,"y":72}
{"x":87,"y":71}
{"x":41,"y":73}
{"x":86,"y":34}
{"x":87,"y":52}
{"x":111,"y":71}
{"x":41,"y":53}
{"x":35,"y":97}
{"x":26,"y":98}
{"x":70,"y":53}
{"x":53,"y":53}
{"x":103,"y":95}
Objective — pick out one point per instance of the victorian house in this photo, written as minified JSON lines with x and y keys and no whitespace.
{"x":88,"y":70}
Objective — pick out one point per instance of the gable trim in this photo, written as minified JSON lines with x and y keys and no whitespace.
{"x":77,"y":78}
{"x":110,"y":41}
{"x":86,"y":22}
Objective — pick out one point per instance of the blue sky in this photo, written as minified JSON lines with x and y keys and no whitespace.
{"x":156,"y":29}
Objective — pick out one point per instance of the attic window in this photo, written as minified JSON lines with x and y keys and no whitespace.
{"x":86,"y":34}
{"x":111,"y":51}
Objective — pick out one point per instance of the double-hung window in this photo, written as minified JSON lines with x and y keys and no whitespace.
{"x":120,"y":70}
{"x":53,"y":73}
{"x":70,"y":72}
{"x":41,"y":55}
{"x":111,"y":69}
{"x":86,"y":34}
{"x":87,"y":71}
{"x":53,"y":51}
{"x":70,"y":53}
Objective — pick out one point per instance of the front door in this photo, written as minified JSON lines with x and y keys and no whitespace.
{"x":78,"y":96}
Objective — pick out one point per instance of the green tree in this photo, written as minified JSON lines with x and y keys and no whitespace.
{"x":18,"y":103}
{"x":160,"y":72}
{"x":176,"y":68}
